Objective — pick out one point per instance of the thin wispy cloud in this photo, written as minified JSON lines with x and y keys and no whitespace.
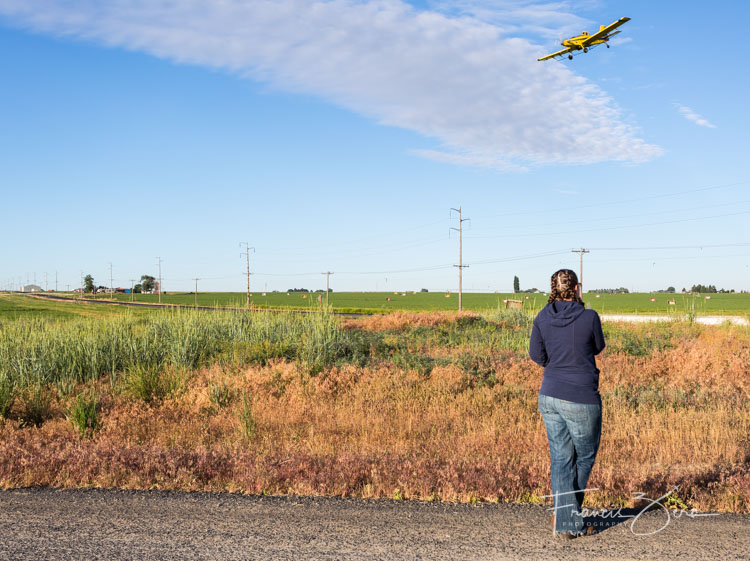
{"x":462,"y":80}
{"x":479,"y":160}
{"x":550,"y":20}
{"x":691,"y":115}
{"x":567,"y":192}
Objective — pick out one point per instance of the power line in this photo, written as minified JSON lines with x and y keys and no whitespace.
{"x":740,"y":244}
{"x":589,"y":219}
{"x":160,"y":279}
{"x":633,"y":200}
{"x":520,"y":257}
{"x":328,"y":291}
{"x":331,"y":246}
{"x":662,"y":223}
{"x":196,"y":292}
{"x":247,"y":256}
{"x":580,"y":277}
{"x":460,"y":265}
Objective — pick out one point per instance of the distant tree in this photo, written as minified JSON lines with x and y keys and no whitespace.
{"x":424,"y":290}
{"x":707,"y":289}
{"x":621,"y":290}
{"x":138,"y":288}
{"x":516,"y":285}
{"x":148,"y":283}
{"x":670,"y":289}
{"x":88,"y":283}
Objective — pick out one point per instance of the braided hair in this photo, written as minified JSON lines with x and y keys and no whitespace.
{"x":563,"y":286}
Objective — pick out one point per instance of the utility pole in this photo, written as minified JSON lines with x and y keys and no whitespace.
{"x":132,"y":292}
{"x":328,"y":275}
{"x":460,"y":265}
{"x":46,"y":285}
{"x":159,"y":258}
{"x":55,"y":281}
{"x":247,"y":257}
{"x":196,"y":292}
{"x":111,"y":288}
{"x":81,"y":284}
{"x":580,"y":274}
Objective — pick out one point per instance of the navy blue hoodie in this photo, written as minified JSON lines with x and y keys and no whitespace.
{"x":565,"y":339}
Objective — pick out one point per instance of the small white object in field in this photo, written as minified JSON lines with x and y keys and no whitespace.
{"x":264,"y":294}
{"x":598,"y":295}
{"x":653,"y":299}
{"x":708,"y":297}
{"x":671,"y":302}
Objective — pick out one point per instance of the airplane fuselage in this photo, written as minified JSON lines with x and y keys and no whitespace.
{"x":578,"y":41}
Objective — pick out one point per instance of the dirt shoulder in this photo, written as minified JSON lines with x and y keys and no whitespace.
{"x":44,"y":523}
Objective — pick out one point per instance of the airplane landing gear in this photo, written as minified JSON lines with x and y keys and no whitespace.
{"x":570,"y":57}
{"x":608,"y":45}
{"x":585,"y":49}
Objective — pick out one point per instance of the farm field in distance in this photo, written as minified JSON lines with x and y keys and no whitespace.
{"x":636,"y":303}
{"x":15,"y":306}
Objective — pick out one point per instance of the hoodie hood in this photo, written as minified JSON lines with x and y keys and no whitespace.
{"x":561,"y":313}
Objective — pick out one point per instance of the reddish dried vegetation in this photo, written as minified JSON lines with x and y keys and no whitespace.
{"x":678,"y":416}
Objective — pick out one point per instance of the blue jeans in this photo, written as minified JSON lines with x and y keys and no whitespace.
{"x":573,"y":432}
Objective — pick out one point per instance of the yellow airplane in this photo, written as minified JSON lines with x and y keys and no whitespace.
{"x":583,"y":41}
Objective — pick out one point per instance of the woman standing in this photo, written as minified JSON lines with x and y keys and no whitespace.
{"x":565,"y":339}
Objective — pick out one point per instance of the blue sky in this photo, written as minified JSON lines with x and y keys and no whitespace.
{"x":337,"y":135}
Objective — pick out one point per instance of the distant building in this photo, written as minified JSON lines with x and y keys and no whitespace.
{"x":31,"y":288}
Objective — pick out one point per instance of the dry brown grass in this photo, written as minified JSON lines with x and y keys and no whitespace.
{"x":402,"y":320}
{"x":680,"y":416}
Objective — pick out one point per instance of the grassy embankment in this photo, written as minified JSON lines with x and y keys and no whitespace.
{"x":640,"y":303}
{"x":426,"y":406}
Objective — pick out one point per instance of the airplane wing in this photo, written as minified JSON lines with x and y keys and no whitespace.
{"x":553,"y":55}
{"x":604,"y":33}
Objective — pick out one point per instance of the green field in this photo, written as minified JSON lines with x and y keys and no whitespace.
{"x":378,"y":302}
{"x":638,"y":303}
{"x":15,"y":306}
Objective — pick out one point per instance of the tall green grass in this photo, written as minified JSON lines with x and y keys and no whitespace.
{"x":43,"y":352}
{"x":36,"y":352}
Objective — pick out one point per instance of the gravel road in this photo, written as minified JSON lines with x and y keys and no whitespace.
{"x":42,"y":523}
